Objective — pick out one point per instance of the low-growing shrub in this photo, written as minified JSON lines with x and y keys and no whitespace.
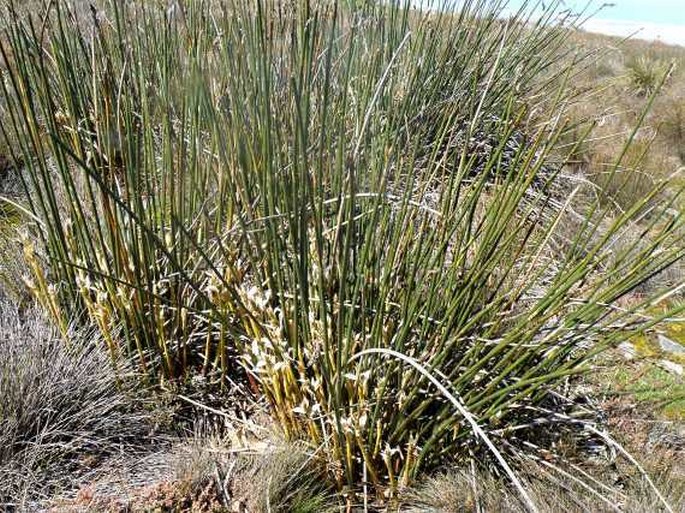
{"x":633,"y":179}
{"x":670,"y":114}
{"x":645,"y":74}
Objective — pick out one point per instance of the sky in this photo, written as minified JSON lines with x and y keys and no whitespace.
{"x":650,"y":11}
{"x":649,"y":19}
{"x":662,"y":20}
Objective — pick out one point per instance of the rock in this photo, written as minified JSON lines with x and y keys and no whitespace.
{"x":628,"y":350}
{"x":238,"y":507}
{"x":669,"y":346}
{"x":673,"y":367}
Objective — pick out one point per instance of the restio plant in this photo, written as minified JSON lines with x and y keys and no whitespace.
{"x":645,"y":74}
{"x":351,"y":200}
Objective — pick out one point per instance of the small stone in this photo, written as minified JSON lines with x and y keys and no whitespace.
{"x":628,"y":350}
{"x":670,"y":346}
{"x":673,"y":367}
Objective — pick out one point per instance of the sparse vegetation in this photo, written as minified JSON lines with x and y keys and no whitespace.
{"x":670,"y":115}
{"x":650,"y":386}
{"x":461,"y":491}
{"x":401,"y":234}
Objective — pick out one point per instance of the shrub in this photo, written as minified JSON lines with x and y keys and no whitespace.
{"x":645,"y":74}
{"x":634,"y":178}
{"x":312,"y":189}
{"x":62,"y":408}
{"x":671,"y":118}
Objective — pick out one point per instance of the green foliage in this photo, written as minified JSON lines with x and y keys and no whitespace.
{"x":116,"y":167}
{"x":286,"y":187}
{"x":645,"y":74}
{"x":287,"y":480}
{"x":650,"y":385}
{"x":11,"y":216}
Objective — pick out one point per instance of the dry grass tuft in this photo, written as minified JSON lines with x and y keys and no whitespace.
{"x":62,"y":408}
{"x":207,"y":472}
{"x":461,"y":491}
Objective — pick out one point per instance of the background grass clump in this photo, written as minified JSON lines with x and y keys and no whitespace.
{"x":63,"y":409}
{"x":331,"y":201}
